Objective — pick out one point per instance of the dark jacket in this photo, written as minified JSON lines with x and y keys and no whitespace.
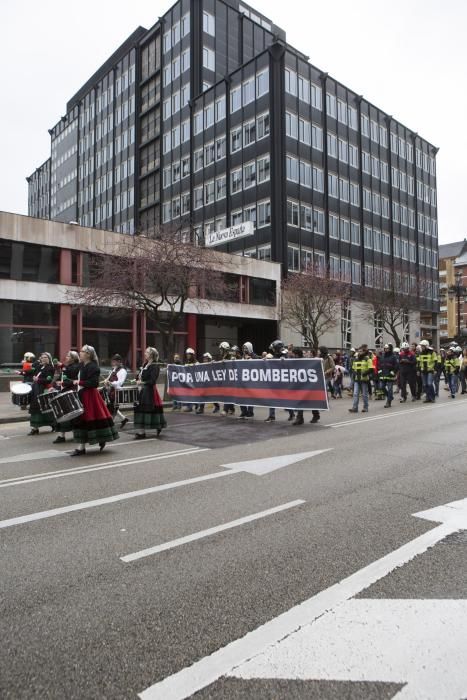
{"x":89,"y":376}
{"x":44,"y":377}
{"x":148,"y":377}
{"x":407,"y":362}
{"x":388,"y":365}
{"x":70,"y":373}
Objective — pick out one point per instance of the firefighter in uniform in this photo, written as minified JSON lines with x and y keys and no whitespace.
{"x":388,"y":365}
{"x":362,"y":370}
{"x":427,"y":362}
{"x":452,"y":369}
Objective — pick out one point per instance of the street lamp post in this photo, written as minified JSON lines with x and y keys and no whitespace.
{"x":456,"y":291}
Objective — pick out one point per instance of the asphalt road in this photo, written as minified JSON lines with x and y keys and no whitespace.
{"x":77,"y":621}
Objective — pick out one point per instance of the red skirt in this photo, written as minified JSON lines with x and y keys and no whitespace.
{"x":96,"y":424}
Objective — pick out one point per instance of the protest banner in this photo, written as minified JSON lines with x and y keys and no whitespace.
{"x":289,"y":383}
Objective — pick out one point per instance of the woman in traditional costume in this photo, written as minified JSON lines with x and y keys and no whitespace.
{"x":149,"y":412}
{"x":42,"y":381}
{"x":70,"y":373}
{"x":95,"y":426}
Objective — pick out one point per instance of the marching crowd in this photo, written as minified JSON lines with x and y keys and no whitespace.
{"x":71,"y":397}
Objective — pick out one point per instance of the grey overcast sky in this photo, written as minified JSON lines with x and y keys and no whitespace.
{"x":408,"y":57}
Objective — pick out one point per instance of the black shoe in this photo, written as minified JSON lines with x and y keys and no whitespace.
{"x":101,"y":446}
{"x":414,"y":398}
{"x":139,"y":436}
{"x":77,"y":453}
{"x":270,"y":419}
{"x":123,"y":423}
{"x":315,"y":419}
{"x":60,"y":438}
{"x":403,"y":400}
{"x":158,"y":431}
{"x":291,"y":417}
{"x":351,"y":410}
{"x":298,"y":421}
{"x":34,"y":431}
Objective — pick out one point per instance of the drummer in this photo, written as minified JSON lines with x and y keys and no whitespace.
{"x":149,"y":412}
{"x":42,"y":381}
{"x":95,"y":426}
{"x":115,"y":381}
{"x":69,"y":374}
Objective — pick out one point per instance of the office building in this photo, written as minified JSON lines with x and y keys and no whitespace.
{"x":211,"y":119}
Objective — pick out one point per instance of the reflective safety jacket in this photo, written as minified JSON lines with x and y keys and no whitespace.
{"x":362,"y":367}
{"x":452,"y":365}
{"x":427,"y":361}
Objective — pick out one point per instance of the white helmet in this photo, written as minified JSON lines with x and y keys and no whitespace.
{"x":424,"y":343}
{"x":190,"y":351}
{"x":397,"y":349}
{"x":224,"y":345}
{"x":405,"y":346}
{"x":457,"y":349}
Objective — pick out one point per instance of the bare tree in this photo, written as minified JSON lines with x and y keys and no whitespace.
{"x":390,"y":308}
{"x":158,"y":274}
{"x":311,"y":303}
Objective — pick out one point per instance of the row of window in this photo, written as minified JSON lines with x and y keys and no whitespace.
{"x":179,"y":30}
{"x":208,"y":154}
{"x":300,"y":87}
{"x":242,"y":95}
{"x":56,"y":162}
{"x":259,"y":213}
{"x":341,"y":149}
{"x":426,"y":193}
{"x":71,"y":201}
{"x":176,"y":102}
{"x":252,"y":173}
{"x":344,"y":229}
{"x":304,"y":173}
{"x":425,"y":162}
{"x":177,"y":135}
{"x":305,"y":217}
{"x":340,"y":110}
{"x":303,"y":130}
{"x":67,"y":179}
{"x":212,"y":112}
{"x":122,"y":83}
{"x":374,"y":131}
{"x":402,"y":181}
{"x":175,"y":68}
{"x":249,"y":132}
{"x":66,"y":132}
{"x":342,"y":188}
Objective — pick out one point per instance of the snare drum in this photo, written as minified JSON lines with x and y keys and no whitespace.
{"x":126,"y":396}
{"x":104,"y":392}
{"x":44,"y":401}
{"x":66,"y":406}
{"x":20,"y":393}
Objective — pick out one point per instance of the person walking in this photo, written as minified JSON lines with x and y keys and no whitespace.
{"x":426,"y":364}
{"x":362,"y":370}
{"x":70,"y":373}
{"x":149,"y":411}
{"x":452,"y":366}
{"x":42,"y":382}
{"x":388,"y":366}
{"x":114,"y":381}
{"x":95,"y":425}
{"x":407,"y":372}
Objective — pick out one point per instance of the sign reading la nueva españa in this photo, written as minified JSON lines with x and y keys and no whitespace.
{"x":227,"y":235}
{"x":288,"y":383}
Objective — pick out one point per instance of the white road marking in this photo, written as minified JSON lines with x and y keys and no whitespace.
{"x":30,"y":478}
{"x":141,"y":492}
{"x":109,"y":499}
{"x":202,"y":673}
{"x":210,"y":531}
{"x":31,"y":456}
{"x":270,"y":464}
{"x":419,"y":643}
{"x":389,"y":414}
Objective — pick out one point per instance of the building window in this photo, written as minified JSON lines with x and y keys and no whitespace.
{"x":292,"y":213}
{"x":304,"y":131}
{"x":197,"y":123}
{"x":262,"y":82}
{"x":317,"y":137}
{"x":220,"y":187}
{"x":236,"y":139}
{"x":236,"y":178}
{"x":342,"y":111}
{"x":290,"y":82}
{"x":292,"y":169}
{"x":291,"y":125}
{"x":248,"y":91}
{"x":249,"y":133}
{"x":306,"y":217}
{"x":332,"y":145}
{"x":316,"y":97}
{"x":331,"y":105}
{"x":198,"y":160}
{"x":318,"y":221}
{"x":264,"y":213}
{"x":209,"y":192}
{"x":262,"y":126}
{"x":185,"y":60}
{"x":356,"y":272}
{"x":355,"y":232}
{"x":220,"y":109}
{"x":209,"y":59}
{"x":198,"y":197}
{"x":209,"y":25}
{"x":333,"y":226}
{"x":333,"y":185}
{"x":221,"y":147}
{"x":263,"y":169}
{"x":235,"y":99}
{"x":209,"y":154}
{"x":249,"y":175}
{"x":318,"y":179}
{"x":236,"y":218}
